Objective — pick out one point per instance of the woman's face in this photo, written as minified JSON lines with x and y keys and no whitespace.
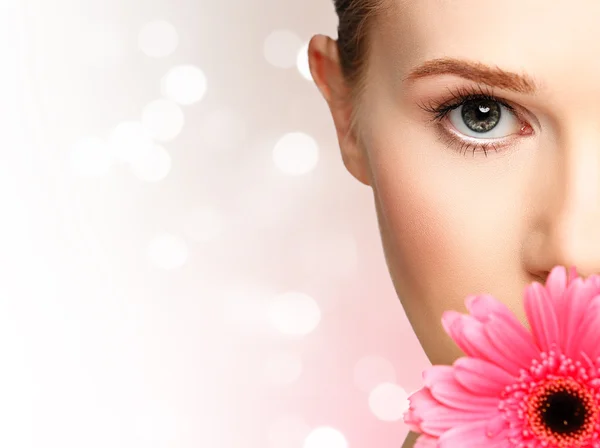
{"x":458,"y":218}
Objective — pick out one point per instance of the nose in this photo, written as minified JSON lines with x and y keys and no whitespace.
{"x":568,"y":224}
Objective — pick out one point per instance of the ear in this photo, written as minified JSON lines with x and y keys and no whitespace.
{"x":325,"y":67}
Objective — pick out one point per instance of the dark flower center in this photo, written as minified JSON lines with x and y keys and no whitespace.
{"x":563,"y":412}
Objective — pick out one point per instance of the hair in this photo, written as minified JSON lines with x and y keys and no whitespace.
{"x":356,"y":18}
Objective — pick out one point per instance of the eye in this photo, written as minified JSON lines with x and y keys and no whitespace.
{"x":473,"y":118}
{"x":484,"y":118}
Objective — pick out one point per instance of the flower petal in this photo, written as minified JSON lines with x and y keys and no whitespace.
{"x":439,"y":420}
{"x":577,"y":297}
{"x":482,"y":305}
{"x":472,"y":435}
{"x":420,"y":401}
{"x":481,"y":377}
{"x":557,"y":281}
{"x":541,"y":316}
{"x":474,"y":335}
{"x":436,"y":374}
{"x":452,"y":394}
{"x":452,"y":323}
{"x":519,"y":345}
{"x":588,"y":334}
{"x":572,"y":275}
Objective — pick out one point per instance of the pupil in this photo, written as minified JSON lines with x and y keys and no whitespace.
{"x":481,"y":115}
{"x":563,"y":412}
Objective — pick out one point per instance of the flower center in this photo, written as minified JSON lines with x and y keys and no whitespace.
{"x":562,"y":411}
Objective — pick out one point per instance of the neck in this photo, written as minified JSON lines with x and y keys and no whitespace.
{"x":410,"y":440}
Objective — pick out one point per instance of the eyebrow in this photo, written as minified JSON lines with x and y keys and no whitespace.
{"x":475,"y":71}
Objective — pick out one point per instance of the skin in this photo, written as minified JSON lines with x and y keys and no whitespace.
{"x":451,"y":224}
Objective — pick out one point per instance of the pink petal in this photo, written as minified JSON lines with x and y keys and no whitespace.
{"x":420,"y":401}
{"x":557,"y":281}
{"x":425,"y":441}
{"x":588,"y":334}
{"x":481,"y":377}
{"x":436,"y":374}
{"x":578,"y":297}
{"x":452,"y":323}
{"x":482,"y":305}
{"x":452,"y":394}
{"x":473,"y":334}
{"x":572,"y":275}
{"x":519,"y":345}
{"x":497,"y":426}
{"x":439,"y":420}
{"x":472,"y":435}
{"x":541,"y":316}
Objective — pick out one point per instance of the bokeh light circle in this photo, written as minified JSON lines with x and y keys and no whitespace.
{"x":167,"y":251}
{"x":388,"y":402}
{"x":163,"y":119}
{"x":158,"y":39}
{"x":91,"y":157}
{"x":294,"y":313}
{"x":129,"y":141}
{"x":372,"y":371}
{"x":153,"y":166}
{"x":325,"y":437}
{"x":302,"y":63}
{"x":296,"y":153}
{"x":184,"y":84}
{"x":281,"y":48}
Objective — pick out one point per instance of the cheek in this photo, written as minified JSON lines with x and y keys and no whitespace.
{"x":419,"y":227}
{"x":449,"y":225}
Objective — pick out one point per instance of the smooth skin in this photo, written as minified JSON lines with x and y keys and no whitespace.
{"x":452,"y":224}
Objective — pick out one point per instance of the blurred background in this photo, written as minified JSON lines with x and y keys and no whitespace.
{"x":185,"y":260}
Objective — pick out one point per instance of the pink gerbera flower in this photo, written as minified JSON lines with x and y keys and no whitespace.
{"x":517,"y":388}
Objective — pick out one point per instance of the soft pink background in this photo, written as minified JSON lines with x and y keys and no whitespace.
{"x":148,"y":293}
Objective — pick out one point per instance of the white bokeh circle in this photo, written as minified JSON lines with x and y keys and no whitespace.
{"x":163,"y":119}
{"x":281,"y":48}
{"x":167,"y":251}
{"x":91,"y":157}
{"x":325,"y":437}
{"x":388,"y":402}
{"x":294,"y":313}
{"x":302,"y":63}
{"x":158,"y":39}
{"x":282,"y":369}
{"x":296,"y":153}
{"x":153,"y":166}
{"x":184,"y":84}
{"x":129,"y":141}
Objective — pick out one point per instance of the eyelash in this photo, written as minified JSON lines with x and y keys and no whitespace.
{"x":458,"y":97}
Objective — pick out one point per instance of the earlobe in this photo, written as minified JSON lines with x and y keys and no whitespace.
{"x":326,"y":71}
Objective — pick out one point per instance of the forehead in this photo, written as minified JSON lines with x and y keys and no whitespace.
{"x":552,"y":41}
